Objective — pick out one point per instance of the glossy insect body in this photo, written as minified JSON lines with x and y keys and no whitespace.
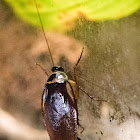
{"x":59,"y":107}
{"x":59,"y":100}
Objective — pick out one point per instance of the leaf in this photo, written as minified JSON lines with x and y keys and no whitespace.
{"x":61,"y":14}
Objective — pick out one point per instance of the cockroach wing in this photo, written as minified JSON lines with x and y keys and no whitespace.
{"x":59,"y":112}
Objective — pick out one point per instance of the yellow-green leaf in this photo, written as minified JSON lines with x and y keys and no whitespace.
{"x":61,"y":14}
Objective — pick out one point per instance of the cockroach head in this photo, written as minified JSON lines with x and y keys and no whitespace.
{"x":57,"y":68}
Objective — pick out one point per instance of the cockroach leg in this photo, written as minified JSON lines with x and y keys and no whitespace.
{"x":91,"y":97}
{"x":78,"y":138}
{"x":82,"y":128}
{"x":42,"y":69}
{"x":79,"y":59}
{"x":76,"y":95}
{"x":75,"y":75}
{"x":90,"y":82}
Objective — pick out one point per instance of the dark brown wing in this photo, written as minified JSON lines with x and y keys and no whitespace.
{"x":59,"y":112}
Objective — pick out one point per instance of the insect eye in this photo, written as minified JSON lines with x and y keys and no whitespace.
{"x":57,"y":68}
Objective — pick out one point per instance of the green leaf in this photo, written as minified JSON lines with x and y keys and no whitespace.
{"x":61,"y":14}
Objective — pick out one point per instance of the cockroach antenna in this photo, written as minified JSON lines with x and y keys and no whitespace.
{"x":44,"y":33}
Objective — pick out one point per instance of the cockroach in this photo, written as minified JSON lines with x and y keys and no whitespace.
{"x":59,"y":105}
{"x":59,"y":100}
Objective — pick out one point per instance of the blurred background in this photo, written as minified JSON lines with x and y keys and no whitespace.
{"x":110,"y":33}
